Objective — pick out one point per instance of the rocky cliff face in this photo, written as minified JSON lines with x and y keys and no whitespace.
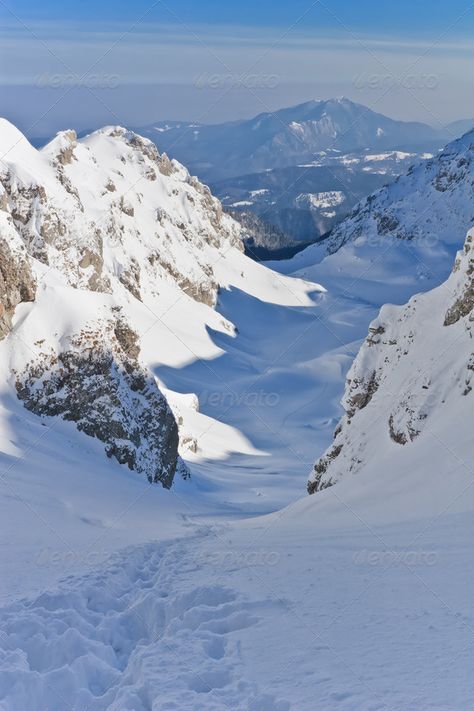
{"x":110,"y":210}
{"x":96,"y":381}
{"x":16,"y":283}
{"x":416,"y":364}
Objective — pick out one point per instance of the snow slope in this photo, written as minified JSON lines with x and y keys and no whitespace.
{"x":431,"y":203}
{"x":411,"y":382}
{"x":350,"y":599}
{"x":119,"y":240}
{"x":255,"y":383}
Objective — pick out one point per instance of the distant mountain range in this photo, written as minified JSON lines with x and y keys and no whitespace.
{"x":291,"y":136}
{"x":300,"y":169}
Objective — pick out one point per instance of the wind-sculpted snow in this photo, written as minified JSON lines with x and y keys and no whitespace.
{"x":415,"y":367}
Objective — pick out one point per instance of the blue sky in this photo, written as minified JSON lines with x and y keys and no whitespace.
{"x":366,"y":15}
{"x":82,"y":64}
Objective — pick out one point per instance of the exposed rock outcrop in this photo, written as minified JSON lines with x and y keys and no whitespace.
{"x":98,"y":383}
{"x":464,"y":303}
{"x":16,"y":284}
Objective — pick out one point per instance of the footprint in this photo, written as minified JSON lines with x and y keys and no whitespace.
{"x":215,"y":647}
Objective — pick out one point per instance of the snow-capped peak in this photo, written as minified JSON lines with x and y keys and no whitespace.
{"x":13,"y":144}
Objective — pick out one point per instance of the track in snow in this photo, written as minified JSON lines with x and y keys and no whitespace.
{"x":133,"y":636}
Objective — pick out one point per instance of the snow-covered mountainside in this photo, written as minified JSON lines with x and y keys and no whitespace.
{"x":403,"y":238}
{"x":257,"y":233}
{"x":432,"y":202}
{"x":416,"y":368}
{"x":287,"y":137}
{"x":114,"y":256}
{"x":110,"y":210}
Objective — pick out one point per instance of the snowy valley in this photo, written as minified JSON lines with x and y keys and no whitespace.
{"x":164,"y":400}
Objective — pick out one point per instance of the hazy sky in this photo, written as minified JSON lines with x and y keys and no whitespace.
{"x":83,"y":64}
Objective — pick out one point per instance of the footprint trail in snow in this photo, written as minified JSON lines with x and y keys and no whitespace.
{"x":135,"y":636}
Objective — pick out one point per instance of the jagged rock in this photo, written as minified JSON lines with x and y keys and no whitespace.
{"x":3,"y":199}
{"x":98,"y":383}
{"x":165,"y":165}
{"x":190,"y":444}
{"x":68,"y":142}
{"x":93,"y":261}
{"x":126,"y":207}
{"x":130,"y":278}
{"x":127,"y":339}
{"x":361,"y":391}
{"x":464,"y":304}
{"x":16,"y":284}
{"x":205,"y":291}
{"x":320,"y":468}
